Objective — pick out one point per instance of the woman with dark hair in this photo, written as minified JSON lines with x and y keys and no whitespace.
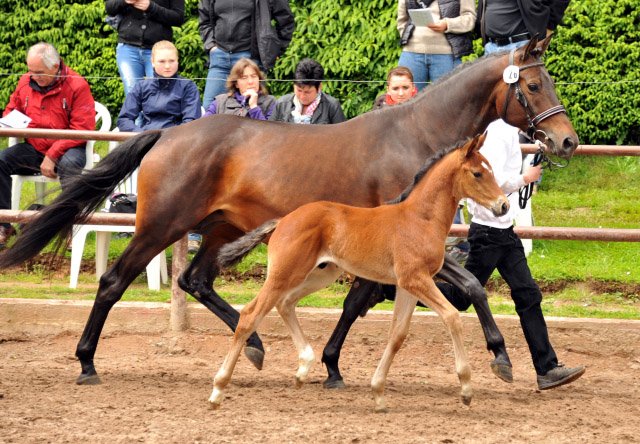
{"x":400,"y":88}
{"x":308,"y":104}
{"x":247,"y":94}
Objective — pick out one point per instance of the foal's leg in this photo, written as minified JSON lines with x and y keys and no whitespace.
{"x":318,"y":279}
{"x":113,"y":283}
{"x":197,"y":280}
{"x":461,"y":278}
{"x":427,"y":292}
{"x":402,"y":312}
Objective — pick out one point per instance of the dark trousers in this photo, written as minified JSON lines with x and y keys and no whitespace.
{"x":24,"y":159}
{"x":493,"y":248}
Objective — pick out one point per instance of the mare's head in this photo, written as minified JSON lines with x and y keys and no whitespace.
{"x":475,"y":178}
{"x":531,"y":102}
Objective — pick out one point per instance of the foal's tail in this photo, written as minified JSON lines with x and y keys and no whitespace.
{"x":82,"y":195}
{"x":231,"y":254}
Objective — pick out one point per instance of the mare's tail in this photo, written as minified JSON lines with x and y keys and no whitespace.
{"x":82,"y":195}
{"x":233,"y":253}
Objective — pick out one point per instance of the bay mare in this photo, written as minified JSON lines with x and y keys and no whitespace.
{"x":224,"y":176}
{"x":400,"y":244}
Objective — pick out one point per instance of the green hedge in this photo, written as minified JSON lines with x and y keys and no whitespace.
{"x":355,"y":41}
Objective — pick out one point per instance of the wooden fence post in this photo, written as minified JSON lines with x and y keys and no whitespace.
{"x":179,"y":320}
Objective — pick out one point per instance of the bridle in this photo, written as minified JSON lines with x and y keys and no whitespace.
{"x":533,"y":120}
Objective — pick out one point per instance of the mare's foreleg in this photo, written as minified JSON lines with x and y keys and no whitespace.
{"x":112,"y":285}
{"x":467,"y":283}
{"x":198,"y":278}
{"x":402,"y":312}
{"x":361,"y":293}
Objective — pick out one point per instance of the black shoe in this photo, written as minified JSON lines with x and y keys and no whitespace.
{"x":6,"y":233}
{"x":558,"y":376}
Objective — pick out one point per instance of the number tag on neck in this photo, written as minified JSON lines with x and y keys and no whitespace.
{"x":511,"y":74}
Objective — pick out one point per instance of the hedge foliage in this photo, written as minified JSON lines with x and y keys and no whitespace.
{"x":594,"y":57}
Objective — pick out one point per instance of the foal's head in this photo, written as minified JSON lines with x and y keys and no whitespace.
{"x":475,"y":178}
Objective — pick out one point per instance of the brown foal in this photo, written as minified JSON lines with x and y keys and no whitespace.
{"x":400,"y":244}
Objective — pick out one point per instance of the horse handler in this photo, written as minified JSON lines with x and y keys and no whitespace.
{"x":494,"y":244}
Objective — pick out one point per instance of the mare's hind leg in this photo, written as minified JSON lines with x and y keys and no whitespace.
{"x":113,"y":283}
{"x":402,"y":312}
{"x":461,"y":278}
{"x":318,"y":279}
{"x":358,"y":297}
{"x":197,"y":280}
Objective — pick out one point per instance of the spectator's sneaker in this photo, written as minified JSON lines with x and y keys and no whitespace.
{"x":459,"y":255}
{"x":193,"y":246}
{"x":5,"y":235}
{"x":559,"y":376}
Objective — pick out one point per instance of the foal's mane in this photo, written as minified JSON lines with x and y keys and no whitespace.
{"x":431,"y":161}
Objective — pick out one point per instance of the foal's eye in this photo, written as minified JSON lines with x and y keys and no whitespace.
{"x":533,"y":87}
{"x":477,"y":174}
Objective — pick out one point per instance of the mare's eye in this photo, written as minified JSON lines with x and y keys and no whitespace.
{"x":477,"y":174}
{"x":533,"y":87}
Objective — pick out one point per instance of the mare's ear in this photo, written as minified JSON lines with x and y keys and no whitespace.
{"x":529,"y":48}
{"x":475,"y":144}
{"x":542,"y":45}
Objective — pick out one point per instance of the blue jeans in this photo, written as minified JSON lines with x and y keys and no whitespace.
{"x":427,"y":67}
{"x":493,"y":47}
{"x":220,"y":64}
{"x":133,"y":64}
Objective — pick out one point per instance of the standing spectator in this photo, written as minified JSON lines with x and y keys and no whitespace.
{"x":142,"y":24}
{"x":54,"y":97}
{"x":165,"y":100}
{"x":436,"y":49}
{"x":494,"y":244}
{"x":232,"y":30}
{"x":400,"y":88}
{"x":247,"y":94}
{"x":308,"y":103}
{"x":508,"y":24}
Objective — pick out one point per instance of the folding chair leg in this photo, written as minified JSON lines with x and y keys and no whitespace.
{"x":41,"y":191}
{"x":153,"y":273}
{"x":79,"y":238}
{"x":103,"y":239}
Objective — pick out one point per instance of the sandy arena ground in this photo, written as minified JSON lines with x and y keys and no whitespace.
{"x":156,"y":383}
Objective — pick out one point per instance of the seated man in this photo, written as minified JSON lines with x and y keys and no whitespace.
{"x":54,"y":97}
{"x":308,"y":104}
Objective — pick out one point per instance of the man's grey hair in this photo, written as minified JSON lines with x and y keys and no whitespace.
{"x":47,"y":53}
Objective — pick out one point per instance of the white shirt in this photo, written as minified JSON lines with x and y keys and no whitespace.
{"x":502,"y":150}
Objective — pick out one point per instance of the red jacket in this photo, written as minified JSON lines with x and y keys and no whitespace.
{"x":69,"y":105}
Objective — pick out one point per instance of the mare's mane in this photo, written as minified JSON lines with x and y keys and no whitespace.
{"x":431,"y":161}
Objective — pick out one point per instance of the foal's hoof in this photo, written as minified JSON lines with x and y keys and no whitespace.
{"x":502,"y":371}
{"x":337,"y":384}
{"x":92,"y":379}
{"x":255,"y":355}
{"x":466,"y":399}
{"x":214,"y":405}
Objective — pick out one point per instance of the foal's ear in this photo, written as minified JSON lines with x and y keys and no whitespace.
{"x":475,"y":144}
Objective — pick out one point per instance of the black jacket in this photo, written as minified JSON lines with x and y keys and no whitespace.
{"x":538,"y":15}
{"x":328,"y":110}
{"x":240,"y":25}
{"x":143,"y":29}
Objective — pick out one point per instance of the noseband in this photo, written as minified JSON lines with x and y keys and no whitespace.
{"x":533,"y":120}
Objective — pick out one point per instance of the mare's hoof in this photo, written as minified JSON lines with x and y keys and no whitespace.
{"x":92,"y":379}
{"x":255,"y":355}
{"x":466,"y":400}
{"x":337,"y":384}
{"x":384,"y":410}
{"x":502,"y":371}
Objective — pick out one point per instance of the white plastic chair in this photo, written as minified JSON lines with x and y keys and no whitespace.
{"x":524,"y":217}
{"x":156,"y":269}
{"x":102,"y":116}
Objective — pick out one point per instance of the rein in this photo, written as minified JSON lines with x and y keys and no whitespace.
{"x":532,"y":119}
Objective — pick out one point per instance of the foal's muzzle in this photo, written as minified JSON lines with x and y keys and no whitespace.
{"x":501,"y":207}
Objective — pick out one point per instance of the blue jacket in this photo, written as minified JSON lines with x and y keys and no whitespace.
{"x":164,"y":102}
